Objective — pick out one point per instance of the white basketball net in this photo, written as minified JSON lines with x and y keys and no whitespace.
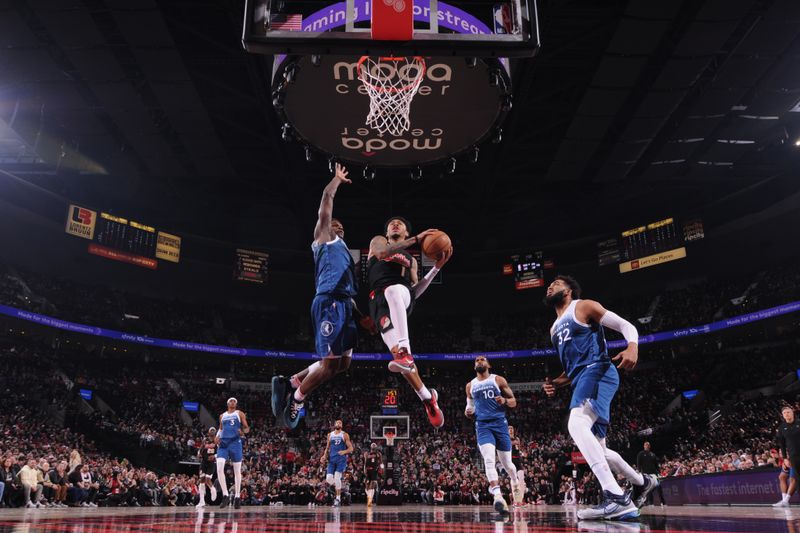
{"x":391,"y":83}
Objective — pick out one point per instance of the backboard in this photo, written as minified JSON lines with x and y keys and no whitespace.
{"x":378,"y":425}
{"x":387,"y":115}
{"x":472,"y":28}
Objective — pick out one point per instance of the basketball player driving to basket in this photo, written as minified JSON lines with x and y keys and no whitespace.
{"x":394,"y":285}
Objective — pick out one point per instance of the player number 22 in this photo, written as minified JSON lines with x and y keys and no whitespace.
{"x":563,"y":336}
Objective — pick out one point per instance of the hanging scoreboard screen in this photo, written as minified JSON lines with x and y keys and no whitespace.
{"x":125,"y":235}
{"x":528,"y":271}
{"x":653,"y":238}
{"x":122,"y":239}
{"x":656,"y":243}
{"x":390,"y":404}
{"x":251,"y":266}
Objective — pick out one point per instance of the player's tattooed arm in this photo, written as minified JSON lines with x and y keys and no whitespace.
{"x":245,"y":425}
{"x":380,"y":247}
{"x":349,"y":443}
{"x":216,"y":436}
{"x":322,"y":231}
{"x":507,"y":395}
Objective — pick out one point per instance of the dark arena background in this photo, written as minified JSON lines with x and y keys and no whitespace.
{"x":166,"y":165}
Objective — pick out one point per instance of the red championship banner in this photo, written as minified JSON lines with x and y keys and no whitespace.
{"x":123,"y":257}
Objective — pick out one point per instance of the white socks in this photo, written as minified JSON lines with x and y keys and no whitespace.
{"x":237,"y":479}
{"x":398,"y":298}
{"x":221,"y":476}
{"x":495,"y":491}
{"x":299,"y":396}
{"x":620,"y":466}
{"x":581,"y":420}
{"x":424,"y":394}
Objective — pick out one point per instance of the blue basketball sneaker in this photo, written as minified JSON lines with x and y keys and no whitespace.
{"x":640,"y":494}
{"x":612,"y":507}
{"x":292,"y":413}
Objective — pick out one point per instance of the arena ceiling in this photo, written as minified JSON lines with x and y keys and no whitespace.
{"x":633,"y":110}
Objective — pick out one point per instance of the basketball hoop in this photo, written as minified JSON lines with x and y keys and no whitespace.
{"x":389,"y":436}
{"x":391,"y":84}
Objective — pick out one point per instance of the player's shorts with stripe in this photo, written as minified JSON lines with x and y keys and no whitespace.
{"x":596,"y":384}
{"x":494,"y":432}
{"x":207,"y":468}
{"x":334,"y":326}
{"x":337,"y":463}
{"x":230,"y":449}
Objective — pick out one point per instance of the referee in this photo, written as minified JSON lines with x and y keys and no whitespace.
{"x":788,"y":439}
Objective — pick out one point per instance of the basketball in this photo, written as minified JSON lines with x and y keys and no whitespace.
{"x":435,"y":243}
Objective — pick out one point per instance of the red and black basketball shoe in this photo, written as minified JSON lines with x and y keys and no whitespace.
{"x":402,"y":361}
{"x":435,"y":415}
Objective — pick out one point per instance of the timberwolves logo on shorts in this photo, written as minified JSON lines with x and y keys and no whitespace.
{"x":326,"y":328}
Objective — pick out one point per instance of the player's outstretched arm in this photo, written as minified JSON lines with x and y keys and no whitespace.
{"x":322,"y":231}
{"x":507,"y":395}
{"x":349,"y":443}
{"x":591,"y":311}
{"x":469,"y":410}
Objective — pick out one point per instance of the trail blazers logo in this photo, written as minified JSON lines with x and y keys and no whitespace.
{"x":80,"y":222}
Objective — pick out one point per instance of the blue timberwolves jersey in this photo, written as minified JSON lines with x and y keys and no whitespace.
{"x":231,"y":422}
{"x":334,"y":268}
{"x":483,"y":395}
{"x":578,"y":345}
{"x":337,"y":443}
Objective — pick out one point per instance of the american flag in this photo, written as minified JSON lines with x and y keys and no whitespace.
{"x":289,"y":22}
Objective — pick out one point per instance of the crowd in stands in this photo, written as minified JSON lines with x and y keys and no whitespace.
{"x":663,"y":309}
{"x":46,"y":460}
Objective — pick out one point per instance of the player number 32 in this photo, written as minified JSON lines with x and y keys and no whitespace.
{"x":563,"y":336}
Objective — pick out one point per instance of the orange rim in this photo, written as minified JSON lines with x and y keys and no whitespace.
{"x":420,"y":61}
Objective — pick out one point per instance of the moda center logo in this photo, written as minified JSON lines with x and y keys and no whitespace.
{"x":364,"y":139}
{"x":327,"y":106}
